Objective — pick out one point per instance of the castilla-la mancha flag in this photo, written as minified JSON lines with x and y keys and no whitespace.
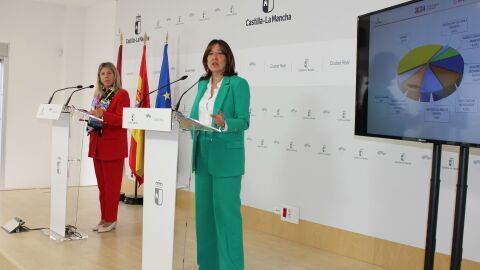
{"x":137,"y":143}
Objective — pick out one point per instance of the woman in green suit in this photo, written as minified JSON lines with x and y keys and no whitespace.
{"x":218,"y":160}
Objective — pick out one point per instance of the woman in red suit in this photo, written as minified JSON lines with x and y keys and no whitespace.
{"x":108,"y":142}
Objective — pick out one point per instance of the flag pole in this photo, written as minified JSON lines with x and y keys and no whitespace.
{"x":119,"y":68}
{"x":135,"y":199}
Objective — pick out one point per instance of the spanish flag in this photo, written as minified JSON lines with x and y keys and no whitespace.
{"x":138,"y":136}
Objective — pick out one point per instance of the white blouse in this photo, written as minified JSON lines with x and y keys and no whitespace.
{"x":205,"y":106}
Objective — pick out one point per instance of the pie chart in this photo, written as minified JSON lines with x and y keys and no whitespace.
{"x":430,"y":72}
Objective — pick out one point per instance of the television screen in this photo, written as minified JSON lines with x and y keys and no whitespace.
{"x":418,"y":72}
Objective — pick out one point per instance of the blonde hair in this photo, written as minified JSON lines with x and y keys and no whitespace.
{"x":117,"y":84}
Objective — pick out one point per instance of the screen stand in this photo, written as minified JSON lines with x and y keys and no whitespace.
{"x":460,"y":205}
{"x":430,"y":243}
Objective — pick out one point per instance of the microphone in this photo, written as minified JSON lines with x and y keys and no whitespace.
{"x":180,"y":99}
{"x":70,"y":97}
{"x":161,"y":87}
{"x":71,"y":87}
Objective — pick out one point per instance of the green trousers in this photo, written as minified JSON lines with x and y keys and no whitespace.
{"x":217,"y":216}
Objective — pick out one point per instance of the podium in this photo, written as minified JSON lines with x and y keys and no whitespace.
{"x":62,"y":164}
{"x":160,"y":179}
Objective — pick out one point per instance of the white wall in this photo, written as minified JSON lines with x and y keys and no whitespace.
{"x":51,"y":46}
{"x":99,"y":27}
{"x":35,"y":34}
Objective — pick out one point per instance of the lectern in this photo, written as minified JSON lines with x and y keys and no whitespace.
{"x":60,"y":168}
{"x":160,"y":179}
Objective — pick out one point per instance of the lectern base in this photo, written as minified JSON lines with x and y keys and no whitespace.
{"x":138,"y":200}
{"x":71,"y":233}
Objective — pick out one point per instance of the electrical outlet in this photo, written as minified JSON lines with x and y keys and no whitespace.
{"x":290,"y":214}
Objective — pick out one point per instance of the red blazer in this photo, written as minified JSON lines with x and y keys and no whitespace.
{"x":112,"y":145}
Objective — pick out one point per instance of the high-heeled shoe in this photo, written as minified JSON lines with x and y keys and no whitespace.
{"x":106,"y":228}
{"x":97,"y":226}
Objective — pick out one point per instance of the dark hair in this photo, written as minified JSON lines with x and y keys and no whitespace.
{"x":230,"y":65}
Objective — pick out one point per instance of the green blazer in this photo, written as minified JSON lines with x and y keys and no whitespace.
{"x":226,"y":149}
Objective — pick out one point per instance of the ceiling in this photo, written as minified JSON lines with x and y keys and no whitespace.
{"x":78,"y":3}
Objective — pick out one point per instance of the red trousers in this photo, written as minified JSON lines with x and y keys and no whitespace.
{"x":109,"y":178}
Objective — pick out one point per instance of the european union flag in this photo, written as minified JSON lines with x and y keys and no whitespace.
{"x":164,"y":98}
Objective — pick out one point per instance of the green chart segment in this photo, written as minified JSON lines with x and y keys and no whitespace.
{"x":430,"y":72}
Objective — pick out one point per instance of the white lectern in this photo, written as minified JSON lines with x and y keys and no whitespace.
{"x":59,"y":170}
{"x":160,"y":180}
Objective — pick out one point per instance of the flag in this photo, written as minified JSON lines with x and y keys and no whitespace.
{"x":119,"y":61}
{"x":138,"y":136}
{"x":164,"y":98}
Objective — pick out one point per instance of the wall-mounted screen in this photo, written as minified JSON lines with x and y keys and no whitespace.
{"x":418,"y":72}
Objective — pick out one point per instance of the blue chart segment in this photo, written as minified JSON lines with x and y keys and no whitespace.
{"x":430,"y":72}
{"x":430,"y":85}
{"x":454,"y":64}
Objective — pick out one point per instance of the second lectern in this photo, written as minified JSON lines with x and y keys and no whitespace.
{"x":160,"y":179}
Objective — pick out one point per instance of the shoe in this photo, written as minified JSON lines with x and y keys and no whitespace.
{"x":102,"y":228}
{"x":97,"y":226}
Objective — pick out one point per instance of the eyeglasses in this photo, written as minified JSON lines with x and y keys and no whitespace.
{"x":216,"y":53}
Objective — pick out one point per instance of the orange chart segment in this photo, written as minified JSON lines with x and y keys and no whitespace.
{"x":448,"y":79}
{"x":445,"y":76}
{"x":412,"y":86}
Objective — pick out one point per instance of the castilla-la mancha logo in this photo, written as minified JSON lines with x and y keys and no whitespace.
{"x":138,"y":31}
{"x":138,"y":25}
{"x":267,"y":6}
